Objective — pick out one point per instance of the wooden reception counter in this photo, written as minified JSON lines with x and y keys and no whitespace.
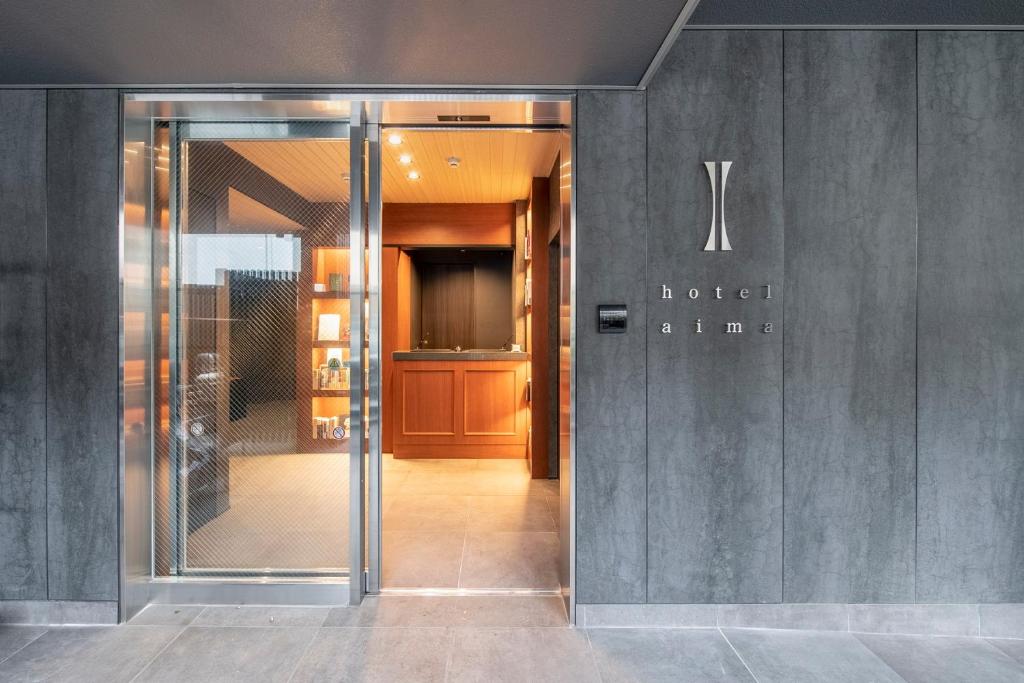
{"x":460,"y":404}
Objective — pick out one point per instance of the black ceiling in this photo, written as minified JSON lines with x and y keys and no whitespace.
{"x":398,"y":42}
{"x":368,"y":42}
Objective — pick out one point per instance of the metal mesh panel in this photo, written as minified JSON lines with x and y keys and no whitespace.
{"x":257,"y":480}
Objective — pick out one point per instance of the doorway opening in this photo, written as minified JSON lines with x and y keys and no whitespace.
{"x":470,"y":500}
{"x":347,"y":346}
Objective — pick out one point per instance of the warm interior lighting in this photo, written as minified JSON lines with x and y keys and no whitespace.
{"x":405,"y":159}
{"x":414,"y":175}
{"x":395,"y":139}
{"x":333,"y":354}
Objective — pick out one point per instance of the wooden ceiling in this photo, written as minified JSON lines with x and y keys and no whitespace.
{"x":494,"y":166}
{"x":246,"y":214}
{"x":315,"y":169}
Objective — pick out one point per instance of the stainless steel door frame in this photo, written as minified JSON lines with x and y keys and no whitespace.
{"x":567,"y":460}
{"x":374,"y":210}
{"x":142,"y":260}
{"x":178,"y":490}
{"x":264,"y":111}
{"x":357,"y":295}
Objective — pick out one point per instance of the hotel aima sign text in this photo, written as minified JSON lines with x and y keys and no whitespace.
{"x":700,"y":325}
{"x":718,"y":240}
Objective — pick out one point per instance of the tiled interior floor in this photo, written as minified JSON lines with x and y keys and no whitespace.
{"x":447,"y":524}
{"x":468,"y":524}
{"x":475,"y":638}
{"x":288,"y":511}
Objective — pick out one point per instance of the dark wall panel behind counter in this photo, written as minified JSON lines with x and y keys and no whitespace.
{"x":971,"y":317}
{"x":715,"y":399}
{"x":22,"y":345}
{"x":850,"y":307}
{"x":82,"y":343}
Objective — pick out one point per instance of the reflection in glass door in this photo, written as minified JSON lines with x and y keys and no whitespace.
{"x":264,"y":391}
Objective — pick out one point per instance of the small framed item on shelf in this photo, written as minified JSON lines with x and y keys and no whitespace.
{"x":328,"y":327}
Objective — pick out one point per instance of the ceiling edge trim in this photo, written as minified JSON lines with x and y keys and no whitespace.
{"x":347,"y":88}
{"x":854,"y":27}
{"x":684,"y":16}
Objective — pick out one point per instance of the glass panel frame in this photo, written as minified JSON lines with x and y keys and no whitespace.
{"x":183,"y":134}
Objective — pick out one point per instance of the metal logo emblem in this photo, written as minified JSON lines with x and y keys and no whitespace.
{"x":197,"y":428}
{"x":717,"y":205}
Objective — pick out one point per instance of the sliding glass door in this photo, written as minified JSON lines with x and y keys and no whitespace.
{"x":261,"y":473}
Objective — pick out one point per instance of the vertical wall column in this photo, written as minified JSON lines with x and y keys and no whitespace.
{"x":22,"y":345}
{"x":971,"y":317}
{"x":82,"y":168}
{"x":850,"y":172}
{"x":611,"y":253}
{"x":715,"y":396}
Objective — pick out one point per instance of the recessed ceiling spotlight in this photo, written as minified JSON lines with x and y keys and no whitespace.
{"x":395,"y":139}
{"x":454,"y":162}
{"x":405,"y":159}
{"x":414,"y":175}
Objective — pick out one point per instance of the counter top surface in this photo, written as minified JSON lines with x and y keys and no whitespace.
{"x":472,"y":354}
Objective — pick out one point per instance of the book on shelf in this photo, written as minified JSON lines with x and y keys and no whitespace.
{"x":332,"y":378}
{"x":335,"y":427}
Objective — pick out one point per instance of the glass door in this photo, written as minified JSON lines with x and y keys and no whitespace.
{"x":266,"y":346}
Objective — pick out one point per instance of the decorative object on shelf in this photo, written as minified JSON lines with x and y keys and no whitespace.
{"x":529,"y":291}
{"x":334,"y":372}
{"x":334,"y":280}
{"x":329,"y":327}
{"x":319,"y":287}
{"x":332,"y":375}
